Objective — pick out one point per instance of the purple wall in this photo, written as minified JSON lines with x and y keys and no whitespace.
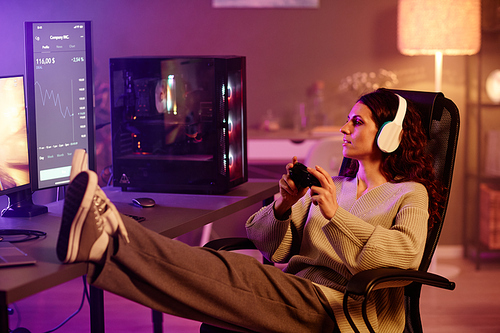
{"x":287,"y":50}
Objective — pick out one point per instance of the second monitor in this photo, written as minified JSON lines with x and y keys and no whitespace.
{"x":59,"y":95}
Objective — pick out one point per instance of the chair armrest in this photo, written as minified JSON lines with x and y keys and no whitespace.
{"x":363,"y":282}
{"x":231,"y":244}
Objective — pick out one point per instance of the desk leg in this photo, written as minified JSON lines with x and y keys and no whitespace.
{"x":96,"y":310}
{"x":157,"y":318}
{"x":4,"y":317}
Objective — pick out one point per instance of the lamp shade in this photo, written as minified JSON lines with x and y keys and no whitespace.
{"x":452,"y":27}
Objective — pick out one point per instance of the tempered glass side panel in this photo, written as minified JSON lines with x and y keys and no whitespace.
{"x":166,"y":109}
{"x":163,"y":119}
{"x":178,"y":123}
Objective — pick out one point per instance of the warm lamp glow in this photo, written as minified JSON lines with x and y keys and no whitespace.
{"x":439,"y":27}
{"x":452,"y":27}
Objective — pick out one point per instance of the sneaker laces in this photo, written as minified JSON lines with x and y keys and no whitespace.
{"x":107,"y":216}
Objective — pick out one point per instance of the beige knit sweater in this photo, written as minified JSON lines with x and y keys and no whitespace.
{"x":385,"y":227}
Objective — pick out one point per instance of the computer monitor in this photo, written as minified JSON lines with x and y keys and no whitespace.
{"x":59,"y":90}
{"x":14,"y":159}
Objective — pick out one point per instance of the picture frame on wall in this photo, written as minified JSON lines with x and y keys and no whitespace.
{"x":265,"y":3}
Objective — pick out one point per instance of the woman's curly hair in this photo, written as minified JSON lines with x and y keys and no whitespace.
{"x":410,"y":161}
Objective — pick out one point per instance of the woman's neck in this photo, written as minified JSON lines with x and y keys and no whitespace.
{"x":369,"y":177}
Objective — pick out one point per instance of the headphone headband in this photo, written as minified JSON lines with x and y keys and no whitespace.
{"x":400,"y":114}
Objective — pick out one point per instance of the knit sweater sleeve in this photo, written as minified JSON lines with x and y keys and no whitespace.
{"x":386,"y":227}
{"x":278,"y":240}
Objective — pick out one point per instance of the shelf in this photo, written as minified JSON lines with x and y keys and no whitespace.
{"x":489,"y":105}
{"x":484,"y":105}
{"x":482,"y":116}
{"x":489,"y":179}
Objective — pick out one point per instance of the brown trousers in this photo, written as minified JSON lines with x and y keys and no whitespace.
{"x":220,"y":288}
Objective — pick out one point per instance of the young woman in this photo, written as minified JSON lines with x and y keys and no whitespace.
{"x":376,"y":218}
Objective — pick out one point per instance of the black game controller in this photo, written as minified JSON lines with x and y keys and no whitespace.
{"x":301,"y":177}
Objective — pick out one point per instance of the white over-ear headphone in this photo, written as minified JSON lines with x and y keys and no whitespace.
{"x":389,"y":134}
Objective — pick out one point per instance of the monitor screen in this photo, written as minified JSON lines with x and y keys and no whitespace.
{"x":59,"y":90}
{"x":14,"y":153}
{"x":14,"y":165}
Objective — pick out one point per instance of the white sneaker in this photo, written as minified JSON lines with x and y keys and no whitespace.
{"x":88,"y":219}
{"x":79,"y":163}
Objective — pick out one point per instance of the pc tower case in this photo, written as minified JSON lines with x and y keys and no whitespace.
{"x":178,"y":123}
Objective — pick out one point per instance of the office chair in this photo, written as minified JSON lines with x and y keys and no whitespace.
{"x":326,"y":153}
{"x":441,"y":120}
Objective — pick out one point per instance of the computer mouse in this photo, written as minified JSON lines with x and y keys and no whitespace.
{"x":144,"y":202}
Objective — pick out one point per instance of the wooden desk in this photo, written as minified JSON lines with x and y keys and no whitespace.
{"x":173,"y":215}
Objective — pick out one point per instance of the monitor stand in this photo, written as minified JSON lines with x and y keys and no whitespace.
{"x":21,"y":205}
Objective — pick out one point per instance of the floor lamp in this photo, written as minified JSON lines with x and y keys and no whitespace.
{"x":439,"y":27}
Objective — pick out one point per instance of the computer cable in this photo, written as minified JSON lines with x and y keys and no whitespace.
{"x":25,"y":330}
{"x":84,"y":296}
{"x":20,"y":235}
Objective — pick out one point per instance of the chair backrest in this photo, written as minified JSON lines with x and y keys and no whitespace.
{"x":327,"y":152}
{"x":441,"y":122}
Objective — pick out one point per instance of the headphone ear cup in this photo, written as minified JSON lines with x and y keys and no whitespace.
{"x":389,"y":136}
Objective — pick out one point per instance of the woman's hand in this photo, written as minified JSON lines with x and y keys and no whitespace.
{"x":289,"y":193}
{"x":325,"y":196}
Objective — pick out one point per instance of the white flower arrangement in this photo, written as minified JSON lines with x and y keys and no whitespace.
{"x":362,"y":82}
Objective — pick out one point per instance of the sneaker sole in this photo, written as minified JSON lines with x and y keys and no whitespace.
{"x":77,"y":203}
